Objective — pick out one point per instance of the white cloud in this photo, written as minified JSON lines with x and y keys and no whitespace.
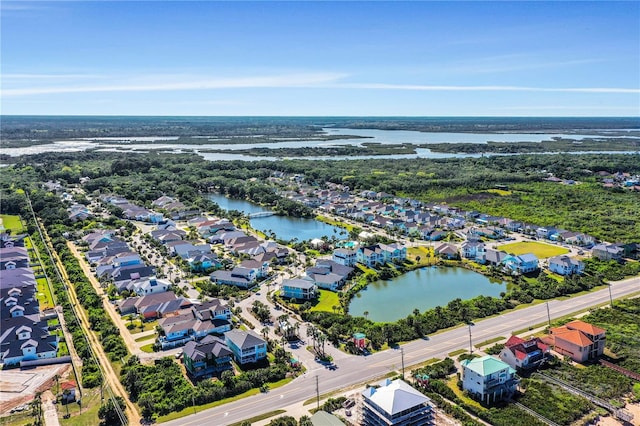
{"x":21,"y":85}
{"x":418,"y":87}
{"x":188,"y":83}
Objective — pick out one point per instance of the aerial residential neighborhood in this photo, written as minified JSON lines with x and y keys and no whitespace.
{"x":221,"y":297}
{"x":314,"y":213}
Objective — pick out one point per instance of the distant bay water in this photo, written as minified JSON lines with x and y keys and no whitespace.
{"x":390,"y":137}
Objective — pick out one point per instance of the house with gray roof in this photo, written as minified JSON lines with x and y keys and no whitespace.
{"x":247,"y":346}
{"x":328,"y":274}
{"x":22,"y":339}
{"x":565,"y":265}
{"x":298,"y":289}
{"x":607,"y":252}
{"x":205,"y":358}
{"x":238,"y":276}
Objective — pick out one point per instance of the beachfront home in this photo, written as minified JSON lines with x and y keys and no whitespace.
{"x":395,"y":403}
{"x":607,"y":252}
{"x":488,"y":379}
{"x":524,"y":354}
{"x":578,"y":340}
{"x":565,"y":265}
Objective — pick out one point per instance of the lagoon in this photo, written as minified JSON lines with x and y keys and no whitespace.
{"x":168,"y":144}
{"x":424,"y":288}
{"x":285,"y":227}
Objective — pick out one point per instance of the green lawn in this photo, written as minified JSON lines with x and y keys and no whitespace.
{"x":44,"y":294}
{"x":12,"y":222}
{"x":339,"y":224}
{"x":427,"y":257}
{"x":541,"y":250}
{"x":326,"y":301}
{"x":147,"y":348}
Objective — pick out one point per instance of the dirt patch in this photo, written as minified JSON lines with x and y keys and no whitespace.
{"x":18,"y":387}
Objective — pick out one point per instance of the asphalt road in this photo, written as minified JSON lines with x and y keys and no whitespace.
{"x":360,"y":369}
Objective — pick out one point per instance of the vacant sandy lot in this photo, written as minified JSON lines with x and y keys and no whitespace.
{"x":18,"y":387}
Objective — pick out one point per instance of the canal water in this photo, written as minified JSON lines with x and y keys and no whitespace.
{"x":285,"y":227}
{"x":424,"y":288}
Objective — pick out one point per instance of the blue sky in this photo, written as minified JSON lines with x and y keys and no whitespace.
{"x":321,"y":58}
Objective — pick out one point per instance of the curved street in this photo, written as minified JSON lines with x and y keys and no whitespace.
{"x":356,"y":369}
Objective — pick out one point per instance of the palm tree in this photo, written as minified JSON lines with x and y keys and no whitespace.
{"x":321,"y":340}
{"x":265,"y":333}
{"x":366,"y":314}
{"x":296,"y":329}
{"x":36,"y":408}
{"x":335,"y":309}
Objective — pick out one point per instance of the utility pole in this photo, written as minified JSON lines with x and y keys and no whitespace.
{"x":317,"y":394}
{"x":610,"y":296}
{"x":402,"y":354}
{"x":548,"y":313}
{"x":470,"y":345}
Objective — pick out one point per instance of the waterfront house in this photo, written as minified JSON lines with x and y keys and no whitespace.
{"x":209,"y":356}
{"x":524,"y":354}
{"x":565,"y":265}
{"x":395,"y":403}
{"x":299,"y":289}
{"x":328,"y":274}
{"x":247,"y":346}
{"x":523,"y":264}
{"x":578,"y":340}
{"x":344,"y":256}
{"x":447,"y":251}
{"x":488,"y":379}
{"x":474,"y":250}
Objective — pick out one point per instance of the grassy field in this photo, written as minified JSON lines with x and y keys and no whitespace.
{"x":330,"y":221}
{"x":44,"y":294}
{"x":12,"y":222}
{"x":326,"y":301}
{"x":426,"y":254}
{"x":541,"y":250}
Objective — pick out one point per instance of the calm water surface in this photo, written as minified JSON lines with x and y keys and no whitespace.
{"x":285,"y":227}
{"x":370,"y":135}
{"x":425,"y":288}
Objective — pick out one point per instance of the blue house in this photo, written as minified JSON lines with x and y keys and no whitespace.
{"x":299,"y":289}
{"x":522,"y":264}
{"x":246,"y":346}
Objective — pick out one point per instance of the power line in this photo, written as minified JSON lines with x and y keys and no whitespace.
{"x":121,"y":416}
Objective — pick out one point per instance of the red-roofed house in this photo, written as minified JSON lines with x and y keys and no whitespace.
{"x":577,"y":339}
{"x":524,"y":354}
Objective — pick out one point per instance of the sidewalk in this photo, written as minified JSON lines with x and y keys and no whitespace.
{"x":49,"y":409}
